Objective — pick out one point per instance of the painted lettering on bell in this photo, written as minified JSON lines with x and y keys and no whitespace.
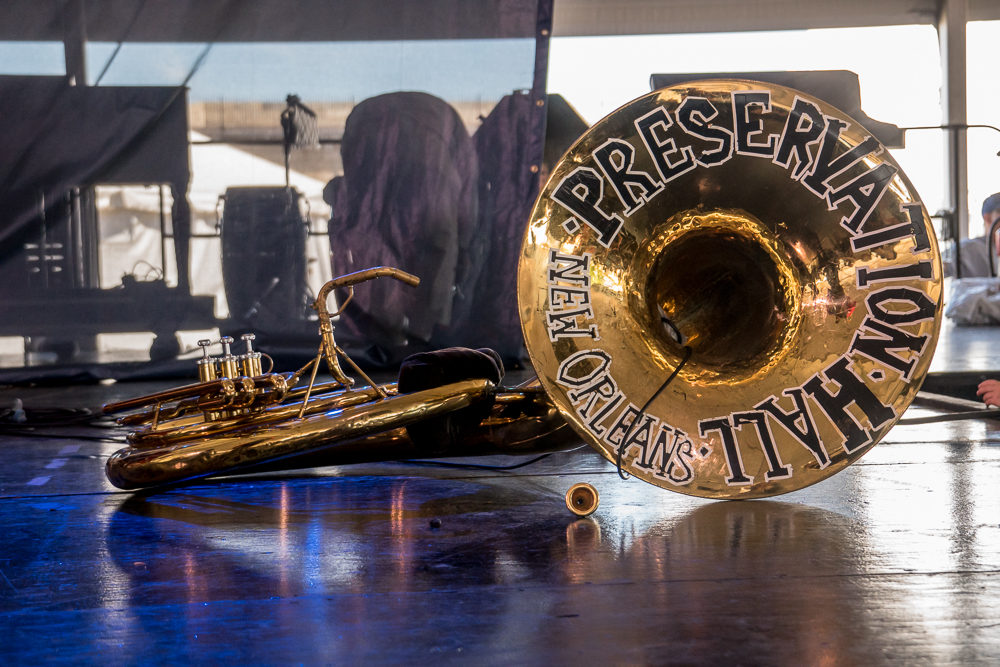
{"x":569,"y":314}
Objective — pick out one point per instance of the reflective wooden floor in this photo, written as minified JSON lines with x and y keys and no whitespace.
{"x":896,"y":560}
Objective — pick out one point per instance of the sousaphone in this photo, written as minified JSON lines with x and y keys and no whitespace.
{"x":728,"y":288}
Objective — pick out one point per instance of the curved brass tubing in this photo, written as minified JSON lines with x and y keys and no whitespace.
{"x":728,"y":288}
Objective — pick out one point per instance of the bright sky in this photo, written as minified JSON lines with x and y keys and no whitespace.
{"x":454,"y":69}
{"x":899,"y":68}
{"x":451,"y":69}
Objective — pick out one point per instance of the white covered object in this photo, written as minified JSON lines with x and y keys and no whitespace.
{"x":974,"y":301}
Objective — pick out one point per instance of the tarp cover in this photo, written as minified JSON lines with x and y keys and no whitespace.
{"x":419,"y":193}
{"x":66,"y":136}
{"x":56,"y":137}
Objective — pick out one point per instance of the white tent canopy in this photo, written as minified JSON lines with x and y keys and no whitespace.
{"x":130,"y":219}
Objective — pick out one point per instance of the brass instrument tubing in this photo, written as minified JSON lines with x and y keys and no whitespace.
{"x":156,"y":416}
{"x":229,"y":368}
{"x":343,"y":304}
{"x":378,"y":389}
{"x":143,"y":417}
{"x":250,"y":359}
{"x":294,"y":378}
{"x":273,"y":387}
{"x":248,"y":391}
{"x":192,"y":430}
{"x":268,"y":389}
{"x":206,"y":365}
{"x":312,"y":380}
{"x":206,"y":370}
{"x":252,"y":366}
{"x":129,"y":468}
{"x":512,"y":396}
{"x":329,"y":345}
{"x":188,"y":391}
{"x":361,"y":276}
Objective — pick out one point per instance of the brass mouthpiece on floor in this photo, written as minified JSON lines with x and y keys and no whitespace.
{"x":582,"y":499}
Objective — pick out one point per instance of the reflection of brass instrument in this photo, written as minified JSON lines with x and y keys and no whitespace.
{"x":728,"y":288}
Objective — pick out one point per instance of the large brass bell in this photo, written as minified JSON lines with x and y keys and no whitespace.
{"x":728,"y":288}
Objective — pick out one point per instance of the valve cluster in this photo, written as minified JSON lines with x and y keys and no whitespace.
{"x":229,"y":365}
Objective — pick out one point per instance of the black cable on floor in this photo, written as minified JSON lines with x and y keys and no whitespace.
{"x":36,"y":422}
{"x":480,"y":466}
{"x":27,"y":433}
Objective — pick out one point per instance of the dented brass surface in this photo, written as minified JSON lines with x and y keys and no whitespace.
{"x":759,"y":246}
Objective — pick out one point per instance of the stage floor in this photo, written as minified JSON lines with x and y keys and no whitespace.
{"x":894,"y":560}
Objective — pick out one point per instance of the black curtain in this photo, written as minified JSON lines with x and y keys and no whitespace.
{"x":420,"y":194}
{"x":420,"y":190}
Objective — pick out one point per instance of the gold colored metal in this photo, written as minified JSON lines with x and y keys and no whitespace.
{"x":582,"y":499}
{"x":340,"y":427}
{"x":233,"y":424}
{"x":309,"y":388}
{"x":252,"y":366}
{"x":254,"y":443}
{"x":729,"y":289}
{"x":206,"y":365}
{"x":228,"y":363}
{"x":329,"y":345}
